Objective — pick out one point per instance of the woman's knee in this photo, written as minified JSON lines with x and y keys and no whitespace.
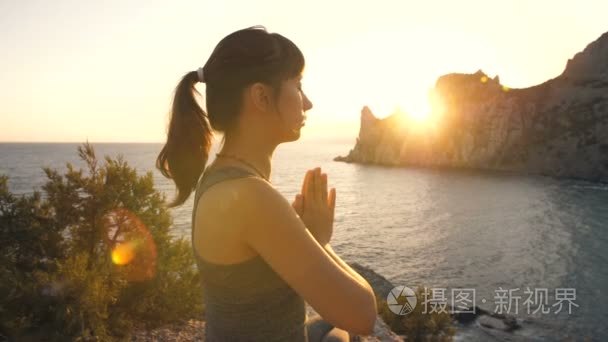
{"x":336,"y":335}
{"x":317,"y":328}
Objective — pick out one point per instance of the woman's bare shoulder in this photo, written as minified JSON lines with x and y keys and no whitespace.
{"x":238,"y":188}
{"x":222,"y":218}
{"x":233,"y":199}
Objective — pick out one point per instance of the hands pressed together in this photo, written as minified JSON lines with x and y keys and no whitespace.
{"x":316,"y":206}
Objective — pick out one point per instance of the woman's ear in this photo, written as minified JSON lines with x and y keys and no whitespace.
{"x":260,"y":96}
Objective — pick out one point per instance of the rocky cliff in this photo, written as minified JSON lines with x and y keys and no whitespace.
{"x":557,"y":128}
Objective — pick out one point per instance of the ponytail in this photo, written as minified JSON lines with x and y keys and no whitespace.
{"x":241,"y":58}
{"x":185,"y":154}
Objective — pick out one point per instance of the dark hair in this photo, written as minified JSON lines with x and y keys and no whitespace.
{"x":240,"y":59}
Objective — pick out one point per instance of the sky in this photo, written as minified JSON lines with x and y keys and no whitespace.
{"x":105,"y":71}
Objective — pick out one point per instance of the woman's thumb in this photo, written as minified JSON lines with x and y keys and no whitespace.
{"x":298,"y":204}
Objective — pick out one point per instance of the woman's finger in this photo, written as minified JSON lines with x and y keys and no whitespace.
{"x":305,"y":182}
{"x":318,"y":185}
{"x":309,"y":195}
{"x":324,"y":186}
{"x":332,"y":200}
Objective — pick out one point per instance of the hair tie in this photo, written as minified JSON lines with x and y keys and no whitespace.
{"x":201,"y":76}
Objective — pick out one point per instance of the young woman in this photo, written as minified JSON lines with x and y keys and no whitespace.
{"x":260,"y":257}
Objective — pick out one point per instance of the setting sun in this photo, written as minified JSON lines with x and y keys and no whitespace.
{"x":419,"y":111}
{"x":419,"y":115}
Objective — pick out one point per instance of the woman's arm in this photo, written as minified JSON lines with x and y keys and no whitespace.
{"x":278,"y":235}
{"x":346,"y":267}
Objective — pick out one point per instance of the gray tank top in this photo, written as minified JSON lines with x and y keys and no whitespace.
{"x":246,"y":301}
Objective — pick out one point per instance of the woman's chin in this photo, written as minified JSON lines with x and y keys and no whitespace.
{"x":294,"y":134}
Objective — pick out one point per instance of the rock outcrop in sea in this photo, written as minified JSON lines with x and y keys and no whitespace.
{"x":557,"y":128}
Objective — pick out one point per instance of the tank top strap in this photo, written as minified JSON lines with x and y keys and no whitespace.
{"x":212,"y":176}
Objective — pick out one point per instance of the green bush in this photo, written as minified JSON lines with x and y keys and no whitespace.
{"x":92,"y":257}
{"x":418,"y":325}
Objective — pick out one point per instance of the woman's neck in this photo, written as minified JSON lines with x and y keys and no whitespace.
{"x":256,"y":154}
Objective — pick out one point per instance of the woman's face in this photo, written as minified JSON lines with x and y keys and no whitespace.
{"x":292,"y":104}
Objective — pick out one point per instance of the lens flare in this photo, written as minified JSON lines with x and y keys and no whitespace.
{"x":123,"y":253}
{"x":130,"y":245}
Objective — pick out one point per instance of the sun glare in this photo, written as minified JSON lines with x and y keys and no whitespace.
{"x":423,"y":117}
{"x":419,"y":113}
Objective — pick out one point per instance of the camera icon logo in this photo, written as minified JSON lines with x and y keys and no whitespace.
{"x":401,"y":300}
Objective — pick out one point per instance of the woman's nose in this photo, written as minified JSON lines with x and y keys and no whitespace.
{"x":307,"y":103}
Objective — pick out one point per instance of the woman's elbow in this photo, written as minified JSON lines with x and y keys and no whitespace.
{"x":365,"y":328}
{"x":367,"y":319}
